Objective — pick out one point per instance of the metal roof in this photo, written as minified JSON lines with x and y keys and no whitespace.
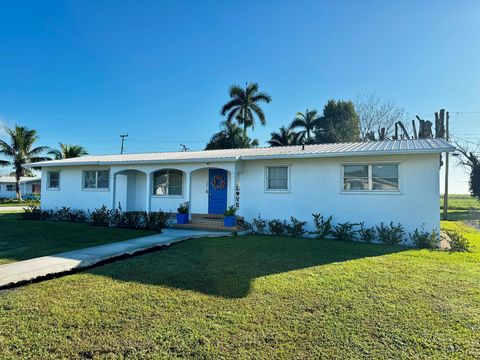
{"x":387,"y":147}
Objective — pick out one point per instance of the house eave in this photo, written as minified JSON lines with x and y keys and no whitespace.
{"x":246,"y":158}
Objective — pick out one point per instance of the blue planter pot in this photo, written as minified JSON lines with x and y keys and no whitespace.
{"x":182,"y":218}
{"x":230,"y":221}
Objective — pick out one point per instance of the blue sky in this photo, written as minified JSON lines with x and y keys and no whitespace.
{"x":84,"y":72}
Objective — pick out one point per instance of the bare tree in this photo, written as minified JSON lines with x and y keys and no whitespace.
{"x":376,"y":114}
{"x":470,"y":160}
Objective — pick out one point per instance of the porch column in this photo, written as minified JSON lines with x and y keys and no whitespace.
{"x":113,"y":190}
{"x":148,"y":195}
{"x":233,"y":185}
{"x":188,"y":196}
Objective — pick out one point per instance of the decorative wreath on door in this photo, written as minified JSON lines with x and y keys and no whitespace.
{"x":219,"y":182}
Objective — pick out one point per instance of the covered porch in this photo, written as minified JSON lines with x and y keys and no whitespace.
{"x":209,"y":189}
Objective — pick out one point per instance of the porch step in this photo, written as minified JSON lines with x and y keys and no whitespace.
{"x":208,"y":222}
{"x":206,"y":226}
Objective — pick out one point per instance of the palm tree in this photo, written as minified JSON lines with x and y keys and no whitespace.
{"x":284,"y":137}
{"x":307,"y":121}
{"x":230,"y":137}
{"x":244,"y":107}
{"x":21,"y":152}
{"x":68,"y":151}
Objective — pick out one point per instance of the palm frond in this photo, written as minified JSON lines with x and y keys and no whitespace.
{"x":262,"y":96}
{"x":230,"y":105}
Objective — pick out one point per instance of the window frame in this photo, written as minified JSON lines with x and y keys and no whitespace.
{"x":277,"y":191}
{"x":48,"y":180}
{"x":96,"y":188}
{"x":178,"y":196}
{"x":10,"y":185}
{"x":370,"y":189}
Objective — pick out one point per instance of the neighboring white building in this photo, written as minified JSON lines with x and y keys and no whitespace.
{"x":28,"y":186}
{"x":372,"y":182}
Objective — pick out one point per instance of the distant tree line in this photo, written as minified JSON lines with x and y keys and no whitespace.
{"x":367,"y":118}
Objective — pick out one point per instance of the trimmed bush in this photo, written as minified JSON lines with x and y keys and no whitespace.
{"x":457,"y":241}
{"x":390,"y":234}
{"x":157,"y":220}
{"x":424,"y":239}
{"x":259,"y":225}
{"x":367,"y":234}
{"x":100,"y":217}
{"x":345,"y":231}
{"x":295,"y":227}
{"x":277,"y":227}
{"x":323,"y":226}
{"x":33,"y":212}
{"x":134,"y":219}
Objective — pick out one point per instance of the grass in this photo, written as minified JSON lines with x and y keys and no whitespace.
{"x":20,"y":239}
{"x":255,"y":297}
{"x":14,"y":202}
{"x":461,"y":202}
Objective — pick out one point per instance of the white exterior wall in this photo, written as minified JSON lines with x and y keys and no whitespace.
{"x":315,"y":187}
{"x":70,"y":192}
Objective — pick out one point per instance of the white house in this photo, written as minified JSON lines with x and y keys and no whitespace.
{"x":372,"y":181}
{"x":28,"y":186}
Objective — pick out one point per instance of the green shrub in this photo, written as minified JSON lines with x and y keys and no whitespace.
{"x":296,"y":227}
{"x":424,"y":239}
{"x":134,"y":219}
{"x":345,"y":231}
{"x":157,"y":220}
{"x":100,"y":217}
{"x":367,"y":234}
{"x":33,"y":212}
{"x":231,"y":211}
{"x":183,"y":208}
{"x":457,"y":241}
{"x":67,"y":214}
{"x":259,"y":225}
{"x":323,"y":226}
{"x":277,"y":227}
{"x":391,"y":234}
{"x":117,"y":218}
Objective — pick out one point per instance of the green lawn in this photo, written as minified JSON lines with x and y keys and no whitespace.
{"x":254,"y":297}
{"x":461,"y":202}
{"x":20,"y":239}
{"x":12,"y":202}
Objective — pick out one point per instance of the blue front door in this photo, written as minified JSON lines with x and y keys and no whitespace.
{"x":217,"y":191}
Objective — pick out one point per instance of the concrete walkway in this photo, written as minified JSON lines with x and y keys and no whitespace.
{"x":28,"y":270}
{"x":12,"y":208}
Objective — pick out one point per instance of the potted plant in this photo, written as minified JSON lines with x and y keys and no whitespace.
{"x":182,"y":213}
{"x":230,"y":220}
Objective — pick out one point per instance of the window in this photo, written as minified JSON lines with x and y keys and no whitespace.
{"x":168,"y":182}
{"x":277,"y":178}
{"x":95,"y":179}
{"x":53,"y":179}
{"x":368,"y":177}
{"x":385,"y":177}
{"x":10,"y":187}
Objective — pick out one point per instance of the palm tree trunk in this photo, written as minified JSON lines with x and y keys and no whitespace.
{"x":17,"y":186}
{"x":244,"y":115}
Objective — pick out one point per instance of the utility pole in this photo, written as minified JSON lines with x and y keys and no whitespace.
{"x":123,"y":136}
{"x":445,"y":195}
